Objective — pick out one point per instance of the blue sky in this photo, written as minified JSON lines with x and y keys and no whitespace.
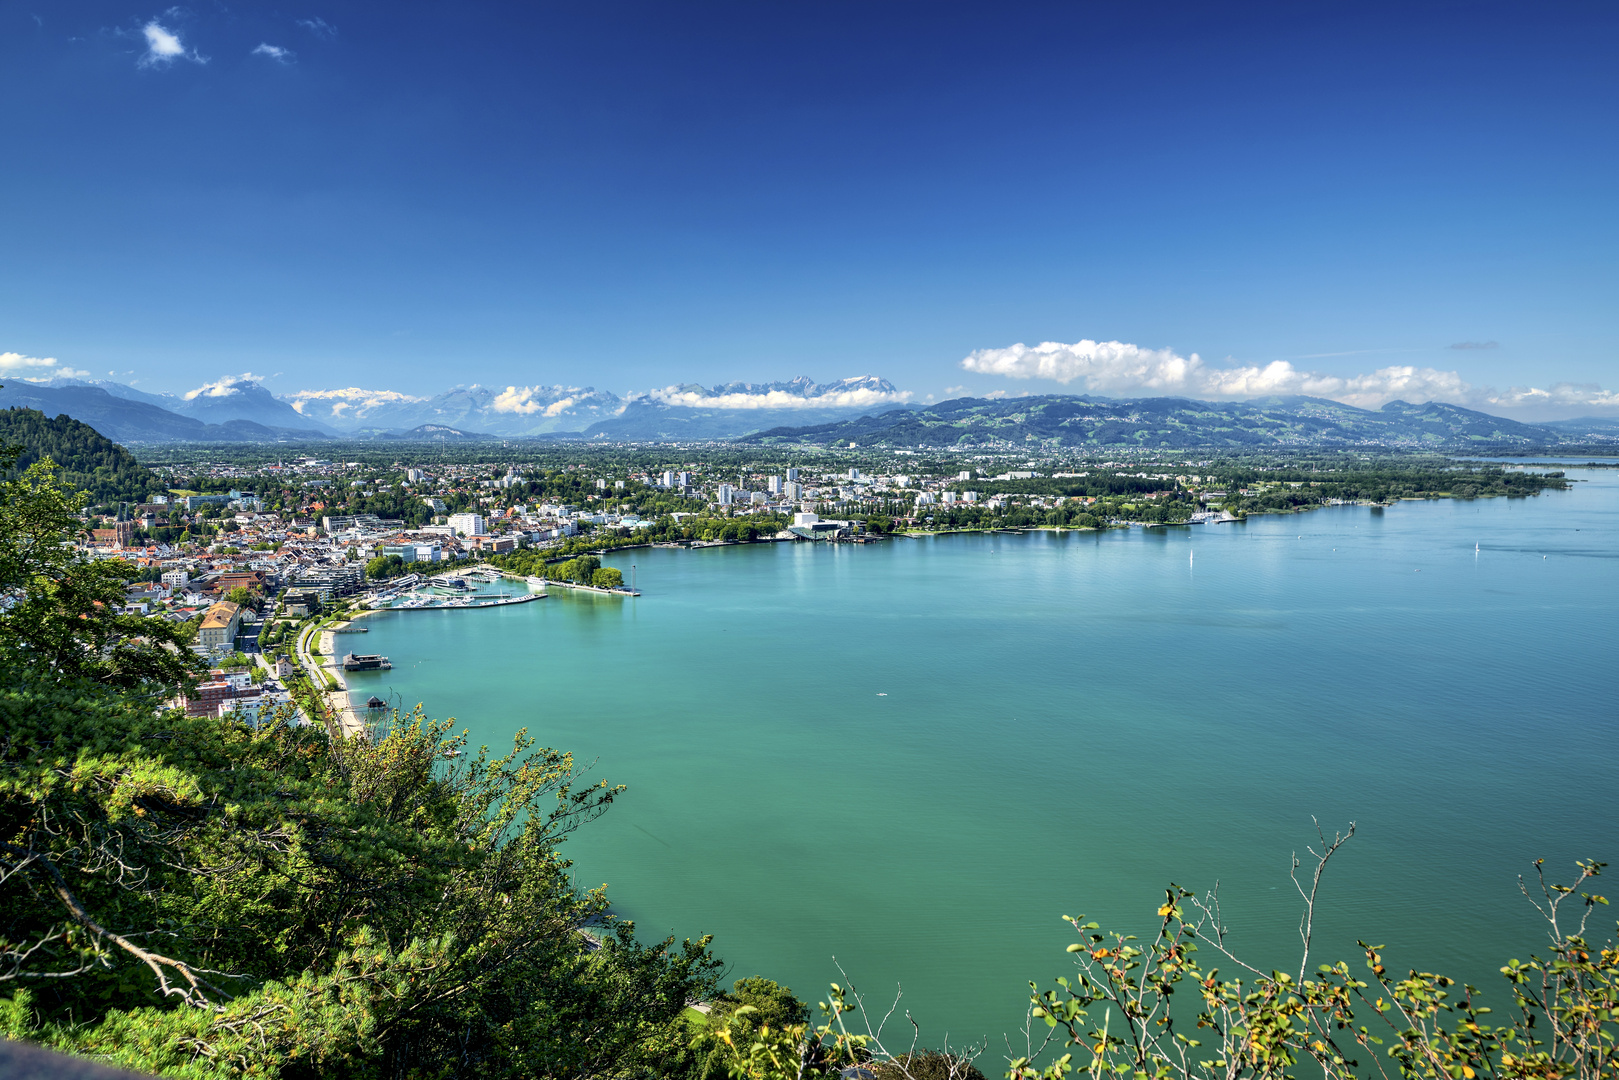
{"x":408,"y":196}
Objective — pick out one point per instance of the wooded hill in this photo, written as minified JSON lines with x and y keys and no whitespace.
{"x":1170,"y":423}
{"x":88,"y":460}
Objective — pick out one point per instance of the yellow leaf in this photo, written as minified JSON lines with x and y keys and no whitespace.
{"x":1166,"y":909}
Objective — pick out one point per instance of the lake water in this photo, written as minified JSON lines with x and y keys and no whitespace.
{"x":916,"y":756}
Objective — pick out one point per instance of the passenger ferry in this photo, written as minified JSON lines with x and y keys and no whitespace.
{"x":351,"y":662}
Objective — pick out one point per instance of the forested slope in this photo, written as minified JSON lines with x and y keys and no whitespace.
{"x":88,"y":459}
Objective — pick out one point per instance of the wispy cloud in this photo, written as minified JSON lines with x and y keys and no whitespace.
{"x":36,"y":368}
{"x":350,"y":401}
{"x":164,"y":47}
{"x":1116,"y":367}
{"x":319,"y":27}
{"x":230,"y":384}
{"x":1467,"y":345}
{"x":274,"y":52}
{"x":854,"y":398}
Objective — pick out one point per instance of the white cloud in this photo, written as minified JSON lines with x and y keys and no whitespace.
{"x":222,"y":387}
{"x":164,"y":47}
{"x":528,"y":400}
{"x":319,"y":27}
{"x":352,"y":400}
{"x":274,"y":52}
{"x":1115,"y":367}
{"x":861,"y":398}
{"x":36,"y":368}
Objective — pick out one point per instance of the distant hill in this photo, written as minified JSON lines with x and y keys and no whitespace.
{"x":88,"y":459}
{"x":436,"y":433}
{"x":128,"y":420}
{"x":1172,"y":423}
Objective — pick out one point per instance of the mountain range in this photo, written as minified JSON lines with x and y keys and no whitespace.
{"x":1067,"y":420}
{"x":864,"y":411}
{"x":243,"y":410}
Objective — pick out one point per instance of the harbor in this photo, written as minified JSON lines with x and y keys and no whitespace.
{"x":453,"y":590}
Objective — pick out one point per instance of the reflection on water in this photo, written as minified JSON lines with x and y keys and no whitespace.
{"x":916,"y":756}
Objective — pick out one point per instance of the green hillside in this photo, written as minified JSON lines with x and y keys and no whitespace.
{"x":88,"y":459}
{"x":1172,"y":423}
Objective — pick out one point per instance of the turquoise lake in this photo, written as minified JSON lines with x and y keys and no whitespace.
{"x":915,"y":756}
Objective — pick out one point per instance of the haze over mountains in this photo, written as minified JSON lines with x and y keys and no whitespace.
{"x":863,"y":410}
{"x":242,"y":409}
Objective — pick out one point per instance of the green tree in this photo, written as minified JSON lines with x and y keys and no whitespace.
{"x":60,"y":609}
{"x":608,"y":577}
{"x":200,"y":898}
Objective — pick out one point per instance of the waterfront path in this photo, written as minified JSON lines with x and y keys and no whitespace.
{"x":317,"y":665}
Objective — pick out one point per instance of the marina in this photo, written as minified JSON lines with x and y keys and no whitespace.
{"x":455,"y":590}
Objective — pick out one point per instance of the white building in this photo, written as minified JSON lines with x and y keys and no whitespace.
{"x":726,"y":494}
{"x":469,"y":524}
{"x":792,"y":474}
{"x":969,"y":496}
{"x":773,"y":485}
{"x":949,"y":497}
{"x":854,"y":474}
{"x":668,"y":479}
{"x":176,"y":579}
{"x":793,"y":489}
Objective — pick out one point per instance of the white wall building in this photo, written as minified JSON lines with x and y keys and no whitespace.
{"x":469,"y":524}
{"x":726,"y":494}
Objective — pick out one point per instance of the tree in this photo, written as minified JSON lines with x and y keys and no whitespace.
{"x":197,"y":897}
{"x":61,"y":609}
{"x":242,"y":596}
{"x":1113,"y":1016}
{"x":608,"y":577}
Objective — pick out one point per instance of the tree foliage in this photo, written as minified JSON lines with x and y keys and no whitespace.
{"x":198,"y":897}
{"x":61,"y":609}
{"x":87,"y":458}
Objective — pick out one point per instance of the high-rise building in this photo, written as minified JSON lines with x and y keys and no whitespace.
{"x":683,"y":479}
{"x":726,"y":493}
{"x":469,"y":524}
{"x":773,"y":485}
{"x":793,"y":489}
{"x":668,"y":479}
{"x":792,"y":474}
{"x":854,"y":474}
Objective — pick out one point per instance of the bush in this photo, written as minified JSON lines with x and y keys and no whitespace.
{"x":927,"y":1065}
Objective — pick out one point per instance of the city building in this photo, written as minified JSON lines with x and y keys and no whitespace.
{"x":792,"y":474}
{"x":773,"y":485}
{"x":120,"y":534}
{"x":468,"y":524}
{"x":219,"y":626}
{"x":726,"y":494}
{"x":334,"y":525}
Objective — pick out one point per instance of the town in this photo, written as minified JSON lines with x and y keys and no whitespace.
{"x":265,"y":558}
